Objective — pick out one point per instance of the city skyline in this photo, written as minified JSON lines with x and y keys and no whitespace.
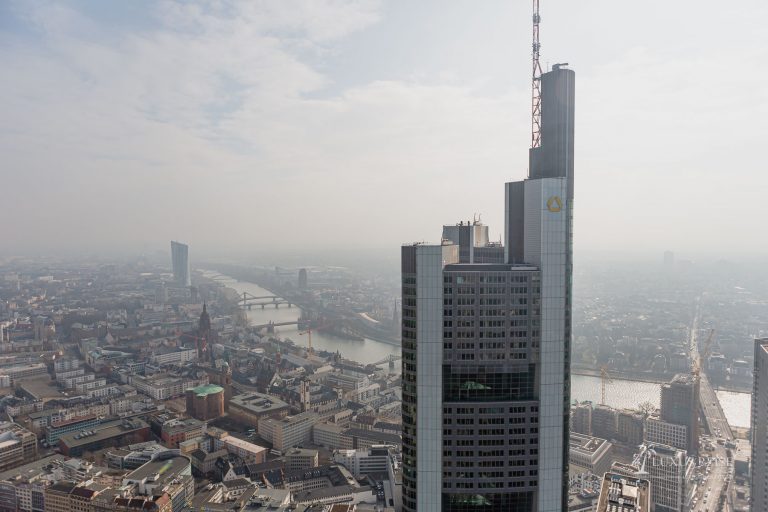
{"x":162,"y":104}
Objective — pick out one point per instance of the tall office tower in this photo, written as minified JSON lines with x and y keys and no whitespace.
{"x":680,"y":406}
{"x":302,"y":279}
{"x":539,"y":231}
{"x":759,"y":432}
{"x":486,"y":345}
{"x":180,"y":264}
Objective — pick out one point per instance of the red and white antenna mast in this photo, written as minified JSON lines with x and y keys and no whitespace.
{"x":536,"y":81}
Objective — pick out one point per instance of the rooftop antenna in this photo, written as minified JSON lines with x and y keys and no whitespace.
{"x":536,"y":81}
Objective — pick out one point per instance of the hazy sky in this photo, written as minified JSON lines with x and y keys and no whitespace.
{"x":242,"y":126}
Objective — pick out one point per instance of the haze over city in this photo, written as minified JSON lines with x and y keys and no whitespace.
{"x":246,"y":127}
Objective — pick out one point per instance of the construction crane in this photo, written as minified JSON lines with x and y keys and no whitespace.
{"x":536,"y":80}
{"x":697,"y":363}
{"x":308,"y":332}
{"x":604,"y":379}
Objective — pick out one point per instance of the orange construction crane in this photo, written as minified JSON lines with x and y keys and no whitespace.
{"x":604,"y":379}
{"x":308,"y":332}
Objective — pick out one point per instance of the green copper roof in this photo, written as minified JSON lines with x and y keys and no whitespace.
{"x":207,"y":389}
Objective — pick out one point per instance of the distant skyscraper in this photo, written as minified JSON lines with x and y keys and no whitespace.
{"x":759,"y":431}
{"x":669,"y":258}
{"x":180,"y":264}
{"x":680,"y":406}
{"x":302,"y":279}
{"x":486,"y":343}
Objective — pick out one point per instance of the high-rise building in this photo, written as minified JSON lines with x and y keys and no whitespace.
{"x":180,"y":264}
{"x":680,"y":406}
{"x":759,"y":432}
{"x":302,"y":279}
{"x":486,"y":343}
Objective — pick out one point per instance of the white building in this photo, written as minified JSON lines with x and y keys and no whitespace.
{"x":375,"y":460}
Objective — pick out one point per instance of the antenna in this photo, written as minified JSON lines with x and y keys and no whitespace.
{"x":536,"y":81}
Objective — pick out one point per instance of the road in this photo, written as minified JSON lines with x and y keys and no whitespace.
{"x":718,"y":472}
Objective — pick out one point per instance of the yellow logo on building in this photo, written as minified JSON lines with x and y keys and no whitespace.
{"x":554,"y":204}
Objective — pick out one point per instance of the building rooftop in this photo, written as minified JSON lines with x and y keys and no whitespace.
{"x":207,"y":389}
{"x":257,"y":402}
{"x":162,"y":468}
{"x":624,"y":494}
{"x":586,"y":444}
{"x":104,"y":431}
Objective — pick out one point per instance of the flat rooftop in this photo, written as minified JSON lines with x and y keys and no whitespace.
{"x":102,"y":432}
{"x":586,"y":444}
{"x":167,"y":468}
{"x":257,"y":402}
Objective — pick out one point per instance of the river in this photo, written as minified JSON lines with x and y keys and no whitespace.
{"x":619,"y":393}
{"x":366,"y":351}
{"x":629,"y":394}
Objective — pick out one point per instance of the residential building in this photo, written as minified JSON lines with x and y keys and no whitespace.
{"x":297,"y":459}
{"x":17,"y":445}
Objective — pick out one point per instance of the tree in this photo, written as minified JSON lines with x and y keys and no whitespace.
{"x":646,"y":408}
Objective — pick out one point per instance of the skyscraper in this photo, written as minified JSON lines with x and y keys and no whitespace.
{"x":486,"y":343}
{"x":759,"y":431}
{"x":680,"y":406}
{"x":180,"y":264}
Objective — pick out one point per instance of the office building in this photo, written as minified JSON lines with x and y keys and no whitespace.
{"x":180,"y":264}
{"x":659,"y":431}
{"x":589,"y":454}
{"x":288,"y":432}
{"x":486,"y":344}
{"x":252,"y":408}
{"x":759,"y":432}
{"x":619,"y":493}
{"x":680,"y":406}
{"x":670,"y":472}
